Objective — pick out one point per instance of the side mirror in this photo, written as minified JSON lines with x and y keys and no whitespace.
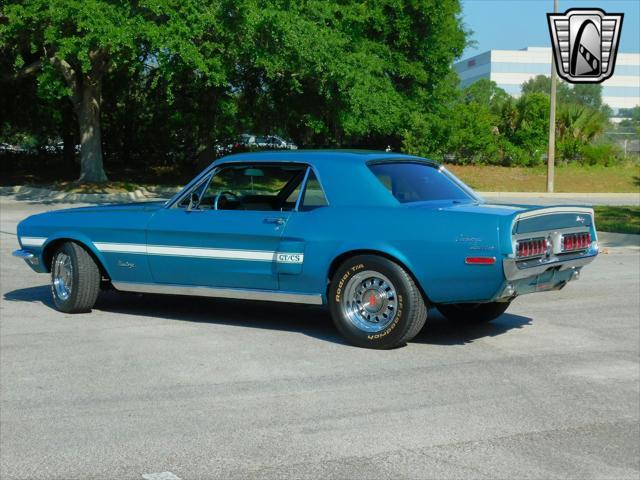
{"x":194,"y":201}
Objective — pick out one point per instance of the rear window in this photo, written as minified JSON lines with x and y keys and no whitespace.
{"x":417,"y":182}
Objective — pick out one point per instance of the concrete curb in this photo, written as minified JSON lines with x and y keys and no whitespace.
{"x":586,"y":196}
{"x":28,"y":193}
{"x":543,"y":198}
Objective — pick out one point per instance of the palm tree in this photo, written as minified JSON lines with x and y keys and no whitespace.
{"x":576,"y":126}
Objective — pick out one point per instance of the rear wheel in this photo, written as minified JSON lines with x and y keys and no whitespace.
{"x":473,"y":312}
{"x":375,"y":303}
{"x":75,"y":279}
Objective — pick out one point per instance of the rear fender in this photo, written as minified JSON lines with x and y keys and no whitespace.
{"x":372,"y":248}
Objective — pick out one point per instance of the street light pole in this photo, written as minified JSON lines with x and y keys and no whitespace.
{"x":551,"y":153}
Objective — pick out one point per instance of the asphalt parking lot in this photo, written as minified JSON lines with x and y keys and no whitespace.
{"x":206,"y":388}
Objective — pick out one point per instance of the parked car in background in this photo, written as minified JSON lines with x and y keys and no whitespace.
{"x":378,"y":237}
{"x":15,"y":149}
{"x":247,"y":140}
{"x":275,"y":142}
{"x":58,"y":147}
{"x":242,"y":143}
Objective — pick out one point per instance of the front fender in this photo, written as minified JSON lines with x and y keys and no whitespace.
{"x":78,"y":237}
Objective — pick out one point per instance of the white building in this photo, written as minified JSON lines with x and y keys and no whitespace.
{"x":511,"y":68}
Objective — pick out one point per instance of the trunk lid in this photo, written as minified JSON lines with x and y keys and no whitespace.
{"x":536,"y":219}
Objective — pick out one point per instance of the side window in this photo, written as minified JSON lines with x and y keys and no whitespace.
{"x":313,"y":194}
{"x":197,"y":189}
{"x":261,"y":187}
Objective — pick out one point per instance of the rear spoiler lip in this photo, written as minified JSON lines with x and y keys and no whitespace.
{"x":551,"y":210}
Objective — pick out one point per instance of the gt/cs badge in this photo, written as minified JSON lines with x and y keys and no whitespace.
{"x":290,"y":257}
{"x":585,"y":43}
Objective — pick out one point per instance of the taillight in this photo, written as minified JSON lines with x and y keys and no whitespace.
{"x":531,"y":247}
{"x":571,"y":242}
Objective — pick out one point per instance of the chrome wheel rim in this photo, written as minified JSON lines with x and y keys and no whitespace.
{"x":62,"y":276}
{"x":369,"y":301}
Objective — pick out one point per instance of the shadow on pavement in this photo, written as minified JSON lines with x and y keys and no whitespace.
{"x":41,"y":294}
{"x":313,"y":321}
{"x":440,"y":331}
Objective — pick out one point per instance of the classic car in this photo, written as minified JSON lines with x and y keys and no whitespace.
{"x":378,"y":237}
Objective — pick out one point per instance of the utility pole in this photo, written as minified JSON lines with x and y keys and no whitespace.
{"x":551,"y":153}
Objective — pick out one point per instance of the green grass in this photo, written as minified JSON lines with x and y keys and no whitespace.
{"x":570,"y":178}
{"x":618,"y":219}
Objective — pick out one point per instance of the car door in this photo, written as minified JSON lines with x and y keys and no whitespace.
{"x":226,"y":231}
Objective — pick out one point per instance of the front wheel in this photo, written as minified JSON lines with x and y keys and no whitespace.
{"x":473,"y":312}
{"x":75,"y":279}
{"x":375,"y":303}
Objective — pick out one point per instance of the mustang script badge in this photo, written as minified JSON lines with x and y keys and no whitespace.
{"x":585,"y":43}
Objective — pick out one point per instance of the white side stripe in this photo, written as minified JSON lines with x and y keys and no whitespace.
{"x":32,"y":241}
{"x":197,"y":252}
{"x":121,"y":247}
{"x":262,"y":256}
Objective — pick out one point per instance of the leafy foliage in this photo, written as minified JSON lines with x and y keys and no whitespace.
{"x":486,"y":125}
{"x":171,"y":78}
{"x":161,"y":82}
{"x":72,"y":45}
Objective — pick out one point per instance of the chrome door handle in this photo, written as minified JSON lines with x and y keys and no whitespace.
{"x":275,"y":220}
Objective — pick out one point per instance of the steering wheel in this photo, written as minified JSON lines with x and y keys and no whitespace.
{"x":223,"y":195}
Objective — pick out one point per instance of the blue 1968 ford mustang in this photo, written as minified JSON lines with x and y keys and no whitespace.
{"x":379,"y":237}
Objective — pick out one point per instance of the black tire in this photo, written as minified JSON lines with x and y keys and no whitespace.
{"x":406,"y":321}
{"x":85,"y":279}
{"x":473,"y":312}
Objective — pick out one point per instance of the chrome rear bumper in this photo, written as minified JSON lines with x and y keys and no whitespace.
{"x":544,"y":275}
{"x":27,"y":256}
{"x":513,"y":272}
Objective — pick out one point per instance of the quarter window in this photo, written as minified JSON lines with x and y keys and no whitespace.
{"x":313,"y":194}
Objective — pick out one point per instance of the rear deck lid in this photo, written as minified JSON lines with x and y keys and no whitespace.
{"x":537,"y":219}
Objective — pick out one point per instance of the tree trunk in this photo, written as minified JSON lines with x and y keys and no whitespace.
{"x":88,"y":112}
{"x":86,"y":97}
{"x":68,"y":137}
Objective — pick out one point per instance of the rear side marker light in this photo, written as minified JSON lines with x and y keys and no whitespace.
{"x":480,"y":260}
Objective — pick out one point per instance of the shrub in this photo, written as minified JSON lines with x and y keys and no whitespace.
{"x":605,"y":154}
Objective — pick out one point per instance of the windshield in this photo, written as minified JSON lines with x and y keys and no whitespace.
{"x":418,"y":182}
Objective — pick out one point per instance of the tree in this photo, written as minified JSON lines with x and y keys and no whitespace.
{"x":72,"y":44}
{"x":589,"y":95}
{"x":346,"y":73}
{"x":161,"y":80}
{"x":474,"y":136}
{"x":577,"y":126}
{"x":486,"y":92}
{"x":532,"y":124}
{"x":542,"y":84}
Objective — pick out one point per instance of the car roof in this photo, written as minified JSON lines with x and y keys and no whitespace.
{"x":317,"y":158}
{"x":343,"y":174}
